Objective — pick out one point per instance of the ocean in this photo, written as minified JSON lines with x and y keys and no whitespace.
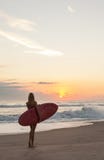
{"x":68,"y":115}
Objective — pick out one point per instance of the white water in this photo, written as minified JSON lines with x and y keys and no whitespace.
{"x":70,"y":115}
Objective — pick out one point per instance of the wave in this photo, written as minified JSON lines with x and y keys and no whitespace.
{"x":85,"y":112}
{"x":8,"y":118}
{"x":12,"y":106}
{"x":66,"y":112}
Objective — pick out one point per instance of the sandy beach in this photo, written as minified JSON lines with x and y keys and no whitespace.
{"x":81,"y":143}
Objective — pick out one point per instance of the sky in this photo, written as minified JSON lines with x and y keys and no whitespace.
{"x":53,"y":48}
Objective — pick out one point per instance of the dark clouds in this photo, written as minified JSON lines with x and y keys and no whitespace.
{"x":14,"y":92}
{"x":46,"y":83}
{"x":11,"y":92}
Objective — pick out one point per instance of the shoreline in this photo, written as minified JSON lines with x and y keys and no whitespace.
{"x":78,"y":143}
{"x":17,"y":129}
{"x":91,"y":123}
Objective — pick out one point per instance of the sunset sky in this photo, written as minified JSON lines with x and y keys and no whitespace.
{"x":54,"y":48}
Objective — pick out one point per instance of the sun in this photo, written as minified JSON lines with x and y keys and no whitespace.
{"x":61,"y":96}
{"x":62,"y":92}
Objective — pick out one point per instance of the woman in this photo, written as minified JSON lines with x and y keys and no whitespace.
{"x":32,"y":104}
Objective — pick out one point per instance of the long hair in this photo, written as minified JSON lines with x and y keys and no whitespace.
{"x":31,"y":97}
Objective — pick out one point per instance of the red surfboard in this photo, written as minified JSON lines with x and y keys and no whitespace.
{"x":30,"y":117}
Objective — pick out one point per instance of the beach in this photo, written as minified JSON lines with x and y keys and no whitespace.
{"x":80,"y":143}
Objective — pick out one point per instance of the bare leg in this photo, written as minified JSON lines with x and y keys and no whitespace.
{"x":30,"y":141}
{"x":31,"y":136}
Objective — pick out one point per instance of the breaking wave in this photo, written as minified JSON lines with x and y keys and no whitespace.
{"x":64,"y":113}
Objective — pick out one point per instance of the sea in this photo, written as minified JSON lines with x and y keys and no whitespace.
{"x":68,"y":115}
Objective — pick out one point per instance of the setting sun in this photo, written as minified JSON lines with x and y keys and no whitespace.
{"x":62,"y":92}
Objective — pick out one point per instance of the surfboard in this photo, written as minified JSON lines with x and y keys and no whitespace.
{"x":30,"y":117}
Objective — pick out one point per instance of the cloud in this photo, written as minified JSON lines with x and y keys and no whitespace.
{"x":18,"y":23}
{"x":10,"y":80}
{"x":47,"y":52}
{"x":35,"y":47}
{"x":20,"y":40}
{"x":10,"y":85}
{"x":26,"y":25}
{"x":70,"y":9}
{"x":13,"y":92}
{"x":22,"y":24}
{"x":2,"y":66}
{"x":46,"y":83}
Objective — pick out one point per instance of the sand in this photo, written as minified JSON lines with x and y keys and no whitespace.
{"x":81,"y":143}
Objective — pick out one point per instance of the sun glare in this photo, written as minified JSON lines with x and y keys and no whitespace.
{"x":62,"y":93}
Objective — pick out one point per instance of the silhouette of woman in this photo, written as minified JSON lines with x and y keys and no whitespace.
{"x":32,"y":104}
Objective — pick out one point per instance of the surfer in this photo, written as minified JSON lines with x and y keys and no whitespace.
{"x":32,"y":104}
